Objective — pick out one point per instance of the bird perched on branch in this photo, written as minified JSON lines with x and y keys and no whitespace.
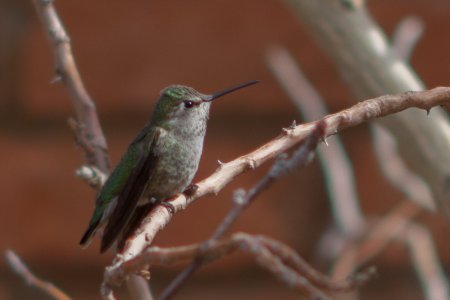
{"x":160,"y":163}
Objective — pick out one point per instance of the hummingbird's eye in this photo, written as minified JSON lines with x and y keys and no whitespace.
{"x":189,"y":104}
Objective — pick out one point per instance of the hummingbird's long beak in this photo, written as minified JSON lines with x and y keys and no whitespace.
{"x":231,"y":89}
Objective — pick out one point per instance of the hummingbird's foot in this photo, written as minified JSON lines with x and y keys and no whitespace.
{"x":190,"y":190}
{"x":168,"y":205}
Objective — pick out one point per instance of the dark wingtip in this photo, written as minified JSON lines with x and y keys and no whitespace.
{"x":84,"y":242}
{"x":106,"y":244}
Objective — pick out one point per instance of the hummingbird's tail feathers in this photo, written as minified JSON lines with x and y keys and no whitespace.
{"x":89,"y":234}
{"x":136,"y":219}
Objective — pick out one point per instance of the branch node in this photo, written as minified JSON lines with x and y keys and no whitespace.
{"x":239,"y":197}
{"x":57,"y":79}
{"x":93,"y":176}
{"x":293,"y":125}
{"x":250,"y":164}
{"x":46,"y":2}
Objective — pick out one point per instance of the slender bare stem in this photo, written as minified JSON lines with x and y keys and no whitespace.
{"x":335,"y":163}
{"x":274,"y":256}
{"x":22,"y":270}
{"x":87,"y":127}
{"x":406,"y":35}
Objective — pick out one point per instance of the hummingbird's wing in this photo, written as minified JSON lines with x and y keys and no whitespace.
{"x":134,"y":187}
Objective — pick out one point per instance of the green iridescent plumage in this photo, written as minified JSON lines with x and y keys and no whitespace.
{"x":159,"y":163}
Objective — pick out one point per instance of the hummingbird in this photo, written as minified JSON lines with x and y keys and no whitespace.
{"x":159,"y":163}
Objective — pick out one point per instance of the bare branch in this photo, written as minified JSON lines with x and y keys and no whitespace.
{"x":396,"y":171}
{"x":426,"y":262}
{"x":242,"y":200}
{"x":336,"y":165}
{"x":398,"y":225}
{"x":270,"y":254}
{"x":364,"y":58}
{"x":406,"y":35}
{"x":376,"y":239}
{"x":87,"y":126}
{"x":92,"y":176}
{"x":359,"y":113}
{"x":17,"y":265}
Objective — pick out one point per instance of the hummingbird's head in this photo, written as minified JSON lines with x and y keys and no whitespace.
{"x":180,"y":103}
{"x":184,"y":105}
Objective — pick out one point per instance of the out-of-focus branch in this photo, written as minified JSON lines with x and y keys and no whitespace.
{"x":361,"y":112}
{"x":398,"y":225}
{"x":395,"y":170}
{"x":242,"y":200}
{"x":93,"y":176}
{"x":406,"y":35}
{"x":22,"y":270}
{"x":340,"y":179}
{"x":86,"y":126}
{"x":270,"y":254}
{"x":375,"y":240}
{"x":87,"y":129}
{"x":426,"y":262}
{"x":367,"y":63}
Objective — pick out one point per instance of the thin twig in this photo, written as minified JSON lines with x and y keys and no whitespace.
{"x":426,"y":262}
{"x":86,"y":126}
{"x":375,"y":240}
{"x":242,"y":200}
{"x":398,"y":225}
{"x":336,"y":165}
{"x":87,"y":129}
{"x":397,"y":172}
{"x":406,"y":35}
{"x":18,"y":266}
{"x":272,"y":255}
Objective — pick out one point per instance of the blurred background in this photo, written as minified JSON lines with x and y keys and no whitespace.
{"x":126,"y":53}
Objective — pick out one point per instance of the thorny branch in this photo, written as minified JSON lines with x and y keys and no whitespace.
{"x":301,"y":157}
{"x":86,"y":127}
{"x":335,"y":163}
{"x":357,"y":114}
{"x":361,"y":112}
{"x":363,"y":56}
{"x":270,"y":254}
{"x":21,"y":269}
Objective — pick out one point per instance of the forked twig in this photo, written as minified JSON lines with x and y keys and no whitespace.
{"x":22,"y":270}
{"x":272,"y":255}
{"x":86,"y":127}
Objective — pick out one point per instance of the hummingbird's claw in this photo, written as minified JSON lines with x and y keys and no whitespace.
{"x":169,"y":206}
{"x":190,"y":190}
